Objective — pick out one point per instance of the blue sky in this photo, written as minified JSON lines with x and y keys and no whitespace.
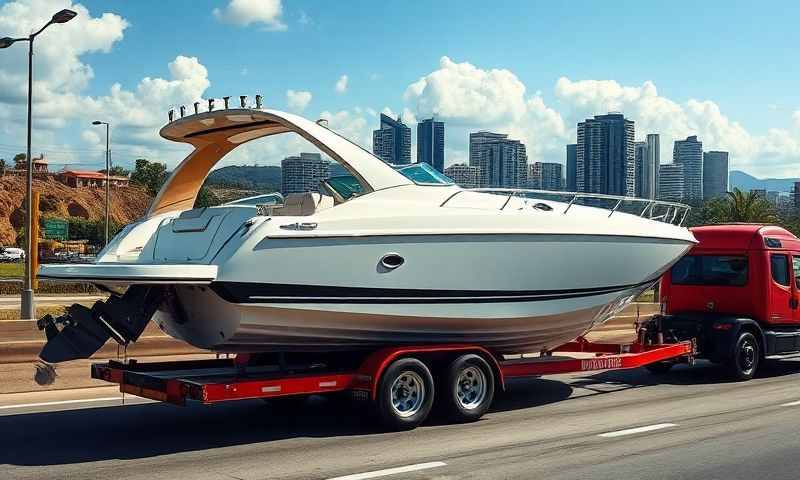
{"x":735,"y":60}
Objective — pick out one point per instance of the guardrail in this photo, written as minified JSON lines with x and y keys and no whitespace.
{"x":658,"y":210}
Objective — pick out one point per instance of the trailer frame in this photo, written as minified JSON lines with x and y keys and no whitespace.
{"x":225,"y":379}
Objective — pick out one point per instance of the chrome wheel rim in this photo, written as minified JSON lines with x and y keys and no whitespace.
{"x":470,"y":388}
{"x":408,"y":393}
{"x":747,"y":356}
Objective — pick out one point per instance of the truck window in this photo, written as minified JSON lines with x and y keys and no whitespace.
{"x":779,"y":265}
{"x":796,"y":265}
{"x":720,"y":270}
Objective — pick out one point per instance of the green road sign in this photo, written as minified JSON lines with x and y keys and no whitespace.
{"x":56,"y":229}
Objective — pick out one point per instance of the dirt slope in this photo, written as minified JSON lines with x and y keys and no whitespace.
{"x":57,"y":199}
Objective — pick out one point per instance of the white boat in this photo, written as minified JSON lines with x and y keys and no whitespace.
{"x":382,"y":256}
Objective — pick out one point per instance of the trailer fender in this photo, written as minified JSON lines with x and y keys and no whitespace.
{"x":371,"y":370}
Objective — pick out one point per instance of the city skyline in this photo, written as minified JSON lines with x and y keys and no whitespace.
{"x":84,"y":71}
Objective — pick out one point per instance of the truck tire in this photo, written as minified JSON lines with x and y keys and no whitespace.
{"x":744,"y":357}
{"x":659,"y":368}
{"x":467,"y":390}
{"x":405,"y":394}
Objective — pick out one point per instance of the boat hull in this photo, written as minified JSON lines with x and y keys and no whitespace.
{"x":516,"y":327}
{"x":509,"y":293}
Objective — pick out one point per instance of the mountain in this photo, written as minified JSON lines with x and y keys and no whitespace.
{"x":263,"y":179}
{"x":744,"y":181}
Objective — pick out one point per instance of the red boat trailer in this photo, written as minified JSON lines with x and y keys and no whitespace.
{"x":377,"y":377}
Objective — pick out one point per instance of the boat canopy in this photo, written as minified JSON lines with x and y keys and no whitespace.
{"x":215,"y":134}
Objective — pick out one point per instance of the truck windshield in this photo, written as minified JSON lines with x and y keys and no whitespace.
{"x":720,"y":270}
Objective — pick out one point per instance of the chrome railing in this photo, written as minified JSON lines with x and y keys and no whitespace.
{"x":658,"y":210}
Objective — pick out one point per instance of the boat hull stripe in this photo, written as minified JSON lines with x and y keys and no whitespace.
{"x":237,"y":292}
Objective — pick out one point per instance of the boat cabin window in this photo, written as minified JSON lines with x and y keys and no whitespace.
{"x":796,"y":265}
{"x":715,"y":270}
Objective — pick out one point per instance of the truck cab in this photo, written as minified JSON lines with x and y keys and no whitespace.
{"x":736,"y":293}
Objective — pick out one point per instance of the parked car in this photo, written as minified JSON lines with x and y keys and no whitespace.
{"x":11,"y":254}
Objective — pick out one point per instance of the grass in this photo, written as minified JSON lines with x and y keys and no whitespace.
{"x":10,"y":270}
{"x":13,"y":314}
{"x":647,"y":296}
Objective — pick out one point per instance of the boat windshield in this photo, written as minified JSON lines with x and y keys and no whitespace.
{"x":266,"y":199}
{"x":347,"y":186}
{"x":423,"y":174}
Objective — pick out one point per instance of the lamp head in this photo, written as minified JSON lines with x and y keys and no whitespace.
{"x":97,"y":122}
{"x":63,"y":16}
{"x":6,"y":42}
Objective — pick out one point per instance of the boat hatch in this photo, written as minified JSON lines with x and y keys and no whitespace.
{"x":197,"y":235}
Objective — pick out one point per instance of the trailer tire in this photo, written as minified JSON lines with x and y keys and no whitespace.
{"x":405,"y":394}
{"x":467,"y":390}
{"x":744,"y":357}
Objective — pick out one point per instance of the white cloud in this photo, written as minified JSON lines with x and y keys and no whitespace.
{"x":469,"y":98}
{"x":298,"y":100}
{"x":245,"y":12}
{"x":341,"y":84}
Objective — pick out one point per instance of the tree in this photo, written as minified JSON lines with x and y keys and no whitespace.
{"x":2,"y":166}
{"x":151,"y":175}
{"x":206,"y":198}
{"x":20,"y":162}
{"x":737,"y":206}
{"x":117,"y":171}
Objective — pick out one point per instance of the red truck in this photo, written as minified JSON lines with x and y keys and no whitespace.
{"x":736,"y":293}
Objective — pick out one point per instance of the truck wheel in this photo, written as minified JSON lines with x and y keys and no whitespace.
{"x":405,"y":394}
{"x":468,"y":388}
{"x":744,"y":359}
{"x":659,"y":368}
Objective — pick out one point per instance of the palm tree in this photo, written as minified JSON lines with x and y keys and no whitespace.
{"x":746,"y":207}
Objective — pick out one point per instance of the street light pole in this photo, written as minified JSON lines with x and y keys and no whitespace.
{"x":108,"y":175}
{"x":27,"y":307}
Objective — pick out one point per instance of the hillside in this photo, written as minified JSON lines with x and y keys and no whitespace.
{"x":263,"y":179}
{"x":744,"y":181}
{"x":57,"y":199}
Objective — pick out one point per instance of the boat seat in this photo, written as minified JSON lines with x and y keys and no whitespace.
{"x":303,"y":204}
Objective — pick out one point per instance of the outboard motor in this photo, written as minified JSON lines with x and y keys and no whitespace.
{"x":82,"y":331}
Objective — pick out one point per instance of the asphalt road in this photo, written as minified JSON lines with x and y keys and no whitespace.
{"x":693,"y":425}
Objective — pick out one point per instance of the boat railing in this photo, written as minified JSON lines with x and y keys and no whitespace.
{"x":658,"y":210}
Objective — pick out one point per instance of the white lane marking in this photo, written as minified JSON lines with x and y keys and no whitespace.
{"x":61,"y":402}
{"x":391,"y":471}
{"x":791,"y":404}
{"x":632,"y":431}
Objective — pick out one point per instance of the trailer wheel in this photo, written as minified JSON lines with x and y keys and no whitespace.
{"x":405,"y":394}
{"x":745,"y":357}
{"x":468,"y":388}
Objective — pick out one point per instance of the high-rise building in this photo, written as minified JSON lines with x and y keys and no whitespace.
{"x":572,"y":164}
{"x":640,"y":156}
{"x":715,"y":174}
{"x":303,"y":173}
{"x":654,"y":162}
{"x":503,"y":162}
{"x":671,"y":182}
{"x":464,"y":175}
{"x":605,"y":159}
{"x":535,"y":175}
{"x":430,"y":143}
{"x":546,"y":176}
{"x":689,"y":153}
{"x":796,"y":195}
{"x":647,"y":161}
{"x":477,"y":141}
{"x":392,"y":142}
